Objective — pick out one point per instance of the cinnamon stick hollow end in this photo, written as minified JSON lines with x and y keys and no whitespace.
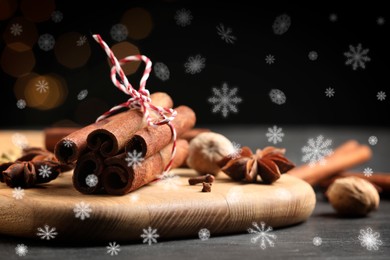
{"x":87,"y":174}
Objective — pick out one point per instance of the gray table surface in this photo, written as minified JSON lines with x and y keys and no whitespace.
{"x":339,"y":235}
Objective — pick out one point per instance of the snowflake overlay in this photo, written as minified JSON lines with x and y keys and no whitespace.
{"x":270,"y":59}
{"x":226,"y":34}
{"x":317,"y":150}
{"x":19,"y":140}
{"x":329,"y":92}
{"x":113,"y":248}
{"x":119,"y":32}
{"x":183,"y":17}
{"x":368,"y":172}
{"x":263,"y":234}
{"x":225,"y":100}
{"x":380,"y":21}
{"x":21,"y":104}
{"x":169,"y":181}
{"x":57,"y":16}
{"x":21,"y":250}
{"x":82,"y":210}
{"x":46,"y":42}
{"x":16,"y":29}
{"x":235,"y":194}
{"x":67,"y":143}
{"x":275,"y":134}
{"x":42,"y":86}
{"x":161,"y":71}
{"x":381,"y":95}
{"x":313,"y":55}
{"x":204,"y":234}
{"x":44,"y":171}
{"x":373,"y":140}
{"x":81,"y":41}
{"x":150,"y":236}
{"x":195,"y":64}
{"x":357,"y":57}
{"x":277,"y":96}
{"x":333,"y":17}
{"x":369,"y":239}
{"x":46,"y":232}
{"x":134,"y":159}
{"x":317,"y":241}
{"x":82,"y":94}
{"x":236,"y":151}
{"x":18,"y":193}
{"x":281,"y":24}
{"x":91,"y":180}
{"x":134,"y":197}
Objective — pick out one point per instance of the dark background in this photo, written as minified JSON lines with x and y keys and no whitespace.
{"x":241,"y":64}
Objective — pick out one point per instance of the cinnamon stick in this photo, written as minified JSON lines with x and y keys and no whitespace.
{"x":119,"y":179}
{"x":90,"y":164}
{"x":192,"y":133}
{"x":346,"y":156}
{"x":150,"y":140}
{"x":111,"y":138}
{"x":54,"y":134}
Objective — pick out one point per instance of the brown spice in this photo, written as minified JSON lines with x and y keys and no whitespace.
{"x":199,"y":179}
{"x":206,"y":187}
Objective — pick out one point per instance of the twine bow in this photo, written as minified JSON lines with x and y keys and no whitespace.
{"x":139,"y":99}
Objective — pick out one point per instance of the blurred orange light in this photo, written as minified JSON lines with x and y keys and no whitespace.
{"x":7,"y":8}
{"x":72,"y":50}
{"x":37,"y":11}
{"x":138,"y":22}
{"x":17,"y":63}
{"x":19,"y":32}
{"x":125,"y":49}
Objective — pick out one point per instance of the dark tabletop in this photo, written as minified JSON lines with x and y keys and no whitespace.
{"x":340,"y":236}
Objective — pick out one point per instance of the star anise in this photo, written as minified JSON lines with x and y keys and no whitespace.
{"x":268,"y":163}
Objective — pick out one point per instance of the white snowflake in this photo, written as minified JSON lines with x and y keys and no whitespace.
{"x":82,"y":210}
{"x":283,"y":194}
{"x":81,"y":41}
{"x":281,"y":24}
{"x":42,"y":86}
{"x":134,"y":159}
{"x":57,"y":16}
{"x":21,"y":104}
{"x":368,"y":172}
{"x":317,"y":150}
{"x":381,"y":95}
{"x":369,"y":239}
{"x":226,"y":34}
{"x":373,"y":140}
{"x":19,"y":140}
{"x":46,"y":232}
{"x":183,"y":17}
{"x":113,"y":248}
{"x":263,"y":234}
{"x":134,"y":197}
{"x":169,"y":181}
{"x":149,"y":235}
{"x":380,"y":20}
{"x":16,"y":29}
{"x":161,"y":71}
{"x":236,"y":150}
{"x":18,"y":193}
{"x":333,"y":17}
{"x":275,"y":134}
{"x":119,"y":32}
{"x":277,"y":96}
{"x":313,"y":55}
{"x":329,"y":92}
{"x":91,"y":180}
{"x":21,"y":250}
{"x":204,"y":234}
{"x":225,"y":100}
{"x":235,"y":194}
{"x":357,"y":57}
{"x":44,"y":171}
{"x":46,"y":42}
{"x":317,"y":241}
{"x":269,"y":59}
{"x":195,"y":64}
{"x":82,"y":94}
{"x":67,"y":143}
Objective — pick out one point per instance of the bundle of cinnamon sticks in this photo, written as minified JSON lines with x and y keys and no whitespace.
{"x":121,"y":153}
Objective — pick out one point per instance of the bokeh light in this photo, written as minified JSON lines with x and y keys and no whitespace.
{"x":7,"y":8}
{"x":72,"y":50}
{"x":37,"y":11}
{"x":20,"y":34}
{"x":138,"y":22}
{"x":17,"y":63}
{"x":125,"y":49}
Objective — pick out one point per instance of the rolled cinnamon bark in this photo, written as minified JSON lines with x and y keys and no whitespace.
{"x":150,"y":139}
{"x":54,"y":134}
{"x":112,"y":137}
{"x":119,"y":179}
{"x":91,"y":166}
{"x":192,"y":133}
{"x":69,"y":148}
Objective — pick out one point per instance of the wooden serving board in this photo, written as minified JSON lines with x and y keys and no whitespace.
{"x":175,"y":209}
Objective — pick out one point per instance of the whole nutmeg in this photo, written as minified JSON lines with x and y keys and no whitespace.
{"x":353,"y":196}
{"x":206,"y":149}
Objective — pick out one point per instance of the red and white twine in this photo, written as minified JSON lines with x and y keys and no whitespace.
{"x":139,"y":99}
